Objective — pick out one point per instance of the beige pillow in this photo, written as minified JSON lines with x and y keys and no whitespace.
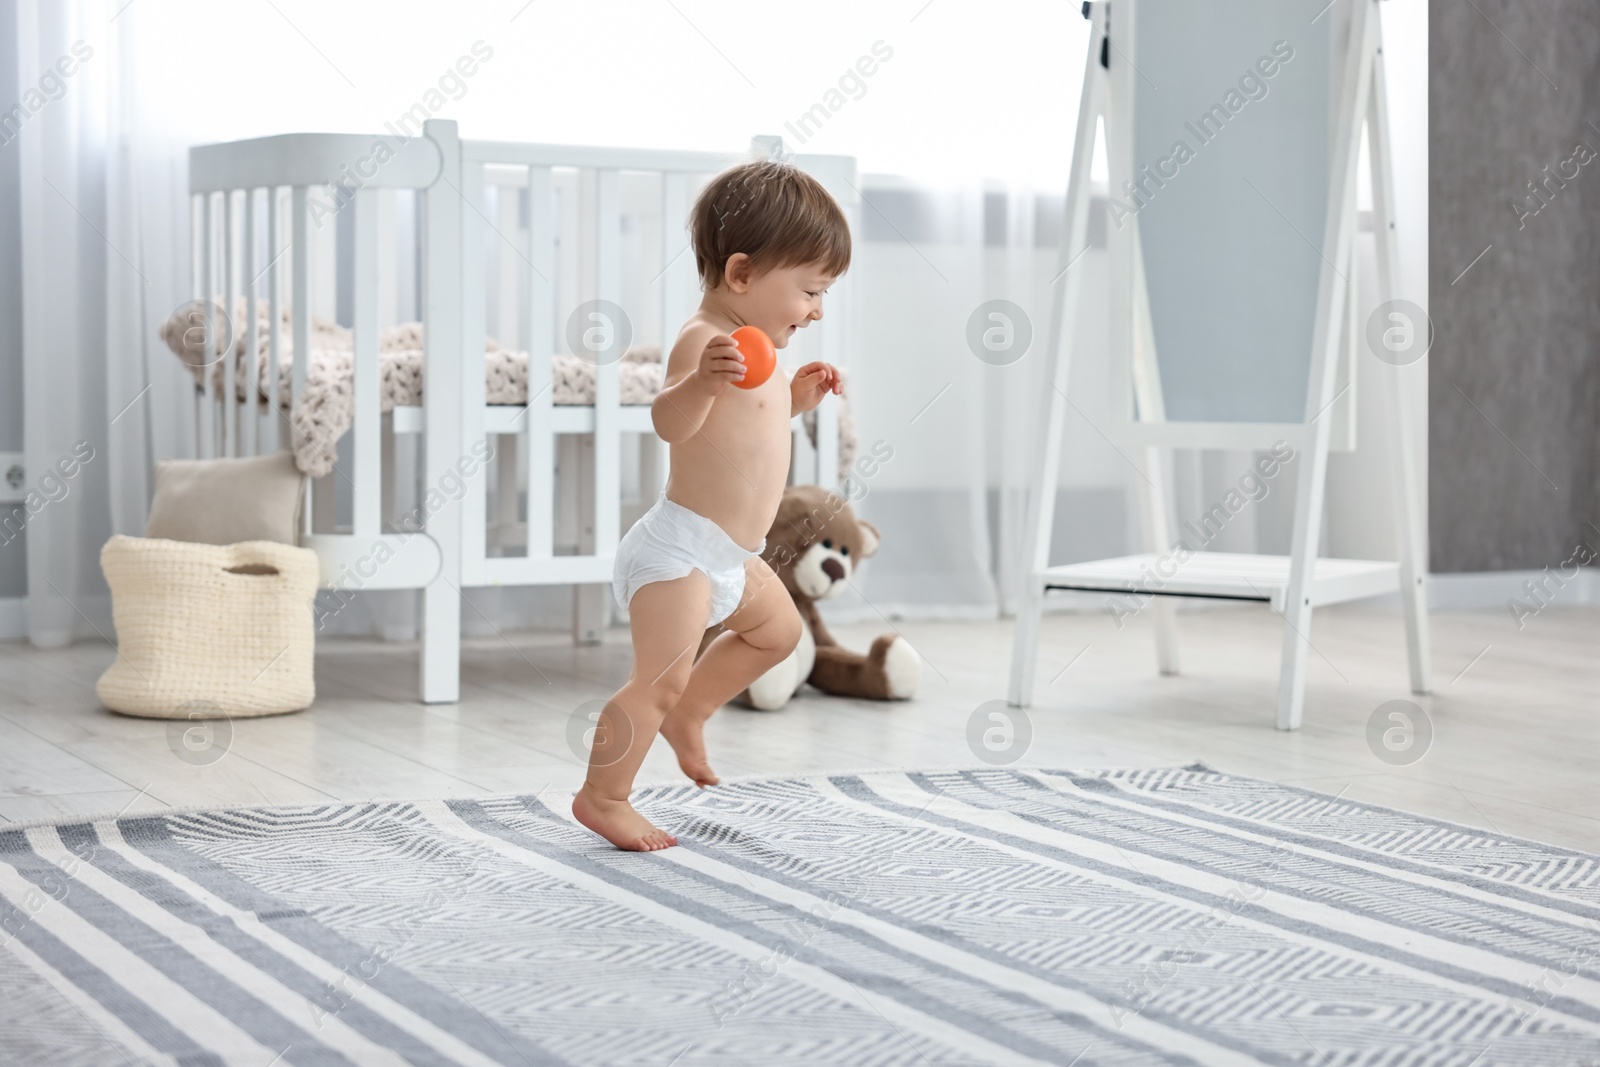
{"x":225,"y":501}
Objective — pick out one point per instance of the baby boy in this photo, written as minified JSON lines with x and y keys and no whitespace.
{"x":768,"y":242}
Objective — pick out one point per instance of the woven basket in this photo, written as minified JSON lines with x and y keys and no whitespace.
{"x":209,"y":631}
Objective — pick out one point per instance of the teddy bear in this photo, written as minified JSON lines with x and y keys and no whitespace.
{"x":814,"y":546}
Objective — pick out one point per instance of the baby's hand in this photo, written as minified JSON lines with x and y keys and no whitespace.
{"x":811,"y":383}
{"x":721,"y":362}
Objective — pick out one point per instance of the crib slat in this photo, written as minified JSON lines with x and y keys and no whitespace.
{"x":252,"y":358}
{"x":201,"y":222}
{"x":676,"y":263}
{"x":365,"y":385}
{"x":537,"y":423}
{"x":274,"y":310}
{"x":300,"y":304}
{"x":835,"y":333}
{"x":607,"y":436}
{"x":443,"y":409}
{"x":230,"y":365}
{"x":677,"y":267}
{"x":388,"y":260}
{"x":474,"y":326}
{"x":221,"y":329}
{"x":509,"y":258}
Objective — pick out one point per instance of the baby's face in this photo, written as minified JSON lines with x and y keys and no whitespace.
{"x":784,"y":299}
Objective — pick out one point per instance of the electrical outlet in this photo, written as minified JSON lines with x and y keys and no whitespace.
{"x":15,"y":478}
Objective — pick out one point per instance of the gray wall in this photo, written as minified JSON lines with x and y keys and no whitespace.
{"x":1513,"y":370}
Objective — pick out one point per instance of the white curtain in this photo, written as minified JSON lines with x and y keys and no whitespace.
{"x":953,"y":287}
{"x":64,"y":254}
{"x":95,"y":269}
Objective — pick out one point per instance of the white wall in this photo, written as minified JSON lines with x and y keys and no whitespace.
{"x":1360,"y":513}
{"x":970,"y":89}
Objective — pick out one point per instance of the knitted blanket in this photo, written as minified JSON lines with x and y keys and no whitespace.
{"x":325,"y":411}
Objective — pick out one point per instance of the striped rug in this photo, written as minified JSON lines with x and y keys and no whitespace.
{"x":943,"y":917}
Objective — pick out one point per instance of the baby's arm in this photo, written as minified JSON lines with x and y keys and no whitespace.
{"x":702,"y":364}
{"x":810,"y":384}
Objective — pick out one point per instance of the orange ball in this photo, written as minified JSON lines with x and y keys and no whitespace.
{"x":760,"y":358}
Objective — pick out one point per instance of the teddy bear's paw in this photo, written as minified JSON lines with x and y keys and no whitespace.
{"x":902,"y":667}
{"x":772,"y":690}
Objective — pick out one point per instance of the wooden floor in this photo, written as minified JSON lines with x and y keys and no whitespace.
{"x":1515,"y":719}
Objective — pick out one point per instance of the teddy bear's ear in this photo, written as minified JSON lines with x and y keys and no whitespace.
{"x":870,"y":539}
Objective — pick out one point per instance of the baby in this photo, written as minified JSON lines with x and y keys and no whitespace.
{"x":768,"y":242}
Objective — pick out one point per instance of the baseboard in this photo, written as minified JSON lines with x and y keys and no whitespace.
{"x":1447,"y":592}
{"x":96,"y":608}
{"x":1496,"y":589}
{"x":13,"y":617}
{"x":884,"y":613}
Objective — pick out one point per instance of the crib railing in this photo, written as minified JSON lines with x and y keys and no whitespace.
{"x":549,"y":222}
{"x":254,"y":205}
{"x":525,"y":180}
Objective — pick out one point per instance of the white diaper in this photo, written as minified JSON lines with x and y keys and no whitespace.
{"x":668,"y":542}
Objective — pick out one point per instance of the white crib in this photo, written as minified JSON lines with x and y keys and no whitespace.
{"x":520,"y":237}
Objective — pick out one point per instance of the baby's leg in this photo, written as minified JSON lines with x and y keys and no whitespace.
{"x":668,"y":620}
{"x":762,"y":630}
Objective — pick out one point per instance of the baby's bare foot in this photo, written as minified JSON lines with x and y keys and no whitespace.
{"x":617,"y":822}
{"x":686,"y":735}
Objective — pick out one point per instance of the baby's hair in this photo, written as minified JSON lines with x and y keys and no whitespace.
{"x":773,"y":212}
